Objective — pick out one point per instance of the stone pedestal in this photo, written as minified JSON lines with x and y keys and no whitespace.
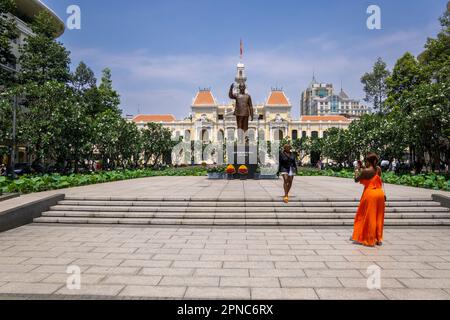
{"x":244,"y":154}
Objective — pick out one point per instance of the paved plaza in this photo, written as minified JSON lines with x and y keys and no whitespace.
{"x":118,"y":262}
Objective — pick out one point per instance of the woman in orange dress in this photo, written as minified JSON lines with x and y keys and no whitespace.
{"x":369,"y":221}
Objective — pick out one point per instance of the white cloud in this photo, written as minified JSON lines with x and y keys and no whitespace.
{"x":167,"y":84}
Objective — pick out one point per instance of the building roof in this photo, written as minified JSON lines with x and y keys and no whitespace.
{"x":324,"y":118}
{"x":343,"y":95}
{"x":28,"y":9}
{"x":204,"y":98}
{"x":278,"y":98}
{"x":154,"y":118}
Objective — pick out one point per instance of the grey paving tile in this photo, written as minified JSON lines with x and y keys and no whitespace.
{"x":113,"y":270}
{"x":277,"y":273}
{"x":197,"y":264}
{"x":222,"y":272}
{"x":300,"y":265}
{"x":332,"y":273}
{"x":349,"y":294}
{"x":155,"y":292}
{"x":92,"y":290}
{"x":49,"y":261}
{"x":22,"y":277}
{"x":440,"y":265}
{"x":248,"y":265}
{"x":362,"y":283}
{"x":132,"y":280}
{"x":433,"y":273}
{"x":310,"y":283}
{"x":61,"y":278}
{"x":146,"y":263}
{"x":426,"y":283}
{"x":98,"y":262}
{"x":220,"y":293}
{"x":225,"y":257}
{"x":404,"y":265}
{"x":187,"y":281}
{"x":283,"y":294}
{"x":416,"y":294}
{"x":261,"y":282}
{"x":29,"y":288}
{"x":391,"y":273}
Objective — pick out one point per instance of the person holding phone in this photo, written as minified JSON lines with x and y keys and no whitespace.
{"x":369,"y":220}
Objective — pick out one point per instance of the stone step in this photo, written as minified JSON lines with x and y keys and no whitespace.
{"x":236,"y":204}
{"x":239,"y":200}
{"x":236,"y":215}
{"x":236,"y":222}
{"x":240,"y":209}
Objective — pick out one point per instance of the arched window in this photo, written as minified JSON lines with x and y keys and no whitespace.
{"x":187,"y":135}
{"x":220,"y":136}
{"x":294,"y":134}
{"x":251,"y":135}
{"x":261,"y":135}
{"x":205,"y":135}
{"x":315,"y":134}
{"x":279,"y":135}
{"x":230,"y":134}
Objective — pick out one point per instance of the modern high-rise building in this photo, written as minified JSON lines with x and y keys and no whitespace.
{"x":320,"y":99}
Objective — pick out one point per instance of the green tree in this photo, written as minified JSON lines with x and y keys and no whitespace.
{"x":375,"y":85}
{"x":42,"y":122}
{"x":8,"y":33}
{"x":107,"y":127}
{"x":109,"y":98}
{"x":303,"y":147}
{"x":42,"y":58}
{"x":83,"y":78}
{"x":337,"y":145}
{"x":157,"y":142}
{"x":407,"y":74}
{"x":129,"y":144}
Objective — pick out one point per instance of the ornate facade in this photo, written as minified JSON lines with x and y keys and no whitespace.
{"x":210,"y":121}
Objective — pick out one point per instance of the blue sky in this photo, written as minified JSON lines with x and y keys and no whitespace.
{"x":161,"y":52}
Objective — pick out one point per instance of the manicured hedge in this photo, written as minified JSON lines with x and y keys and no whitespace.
{"x":428,"y":181}
{"x":29,"y":184}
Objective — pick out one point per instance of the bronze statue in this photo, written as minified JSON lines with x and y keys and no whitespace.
{"x":244,"y":107}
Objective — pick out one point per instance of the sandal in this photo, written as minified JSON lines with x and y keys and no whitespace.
{"x":286,"y":199}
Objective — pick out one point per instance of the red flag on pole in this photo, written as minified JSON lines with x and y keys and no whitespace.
{"x":242,"y":49}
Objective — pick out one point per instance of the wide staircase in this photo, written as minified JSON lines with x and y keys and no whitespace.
{"x":252,"y":212}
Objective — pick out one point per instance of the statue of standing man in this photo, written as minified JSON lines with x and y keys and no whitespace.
{"x":243,"y":110}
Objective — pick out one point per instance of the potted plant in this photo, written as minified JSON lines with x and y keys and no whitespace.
{"x":230,"y":171}
{"x":243,"y":172}
{"x":213,"y":173}
{"x":258,"y":173}
{"x":221,"y":171}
